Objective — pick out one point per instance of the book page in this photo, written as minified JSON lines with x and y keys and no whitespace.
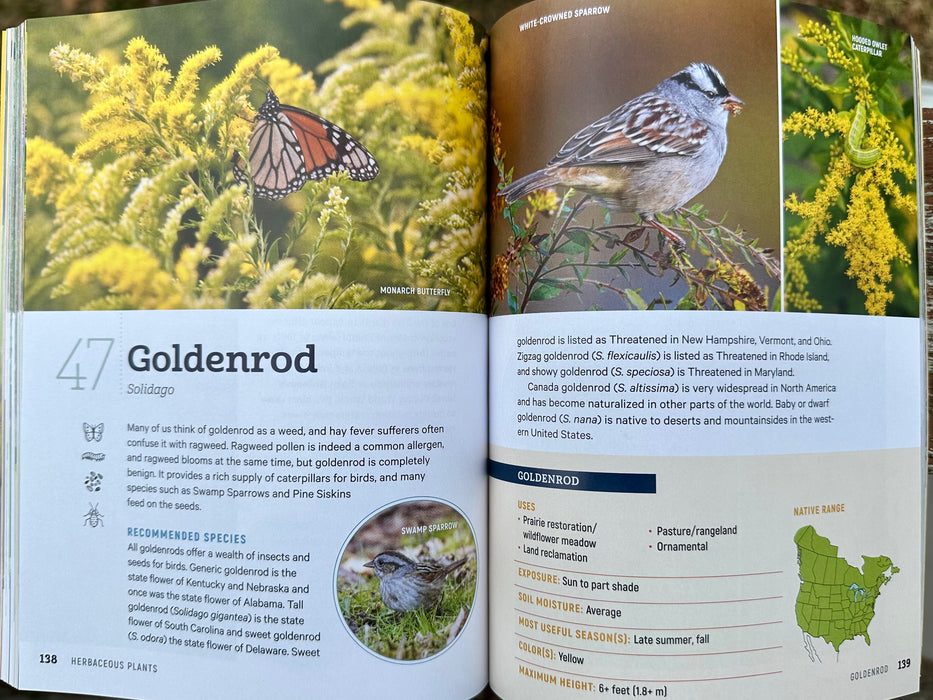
{"x":706,"y":373}
{"x":252,"y":439}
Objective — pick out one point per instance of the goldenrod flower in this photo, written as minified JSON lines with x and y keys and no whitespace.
{"x":850,"y":207}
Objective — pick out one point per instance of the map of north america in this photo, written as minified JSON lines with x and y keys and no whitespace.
{"x":836,"y":601}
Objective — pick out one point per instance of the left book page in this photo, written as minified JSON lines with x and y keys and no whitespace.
{"x":245,"y":438}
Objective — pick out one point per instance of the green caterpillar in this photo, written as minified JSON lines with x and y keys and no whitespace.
{"x":860,"y":157}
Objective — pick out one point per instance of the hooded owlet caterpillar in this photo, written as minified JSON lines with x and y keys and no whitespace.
{"x":860,"y":157}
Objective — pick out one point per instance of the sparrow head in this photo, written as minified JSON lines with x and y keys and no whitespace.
{"x":701,"y":84}
{"x":388,"y":563}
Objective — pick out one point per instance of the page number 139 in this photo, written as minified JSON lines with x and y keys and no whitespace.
{"x":87,"y":358}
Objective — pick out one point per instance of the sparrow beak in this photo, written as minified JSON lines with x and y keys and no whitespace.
{"x":371,"y":564}
{"x":733,"y":105}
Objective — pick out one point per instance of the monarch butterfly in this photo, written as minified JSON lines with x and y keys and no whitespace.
{"x":289,"y":146}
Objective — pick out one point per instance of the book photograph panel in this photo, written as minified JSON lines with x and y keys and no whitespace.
{"x":654,"y":182}
{"x":211,"y":156}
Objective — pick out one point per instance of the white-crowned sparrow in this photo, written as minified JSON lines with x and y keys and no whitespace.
{"x":405,"y":584}
{"x":652,"y":154}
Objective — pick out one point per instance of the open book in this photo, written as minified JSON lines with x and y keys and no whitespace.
{"x":351,"y":351}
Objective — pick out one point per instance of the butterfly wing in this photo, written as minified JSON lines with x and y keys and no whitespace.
{"x":289,"y":146}
{"x":275,"y":160}
{"x":327,"y":148}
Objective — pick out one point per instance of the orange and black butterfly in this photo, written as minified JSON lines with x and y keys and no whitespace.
{"x":289,"y":146}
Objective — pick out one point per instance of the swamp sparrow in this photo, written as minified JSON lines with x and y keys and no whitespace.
{"x":405,"y":584}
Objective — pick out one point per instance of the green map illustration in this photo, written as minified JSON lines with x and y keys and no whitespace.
{"x":836,"y":601}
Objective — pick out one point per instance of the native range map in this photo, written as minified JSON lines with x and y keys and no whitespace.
{"x":836,"y":602}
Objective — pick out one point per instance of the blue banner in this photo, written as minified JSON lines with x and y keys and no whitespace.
{"x":573,"y":480}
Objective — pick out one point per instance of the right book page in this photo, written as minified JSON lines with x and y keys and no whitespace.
{"x":707,"y":385}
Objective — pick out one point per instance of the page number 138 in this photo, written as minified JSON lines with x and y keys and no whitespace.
{"x":87,"y":357}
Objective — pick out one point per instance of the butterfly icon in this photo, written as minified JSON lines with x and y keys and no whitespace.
{"x":290,"y":146}
{"x":93,"y":433}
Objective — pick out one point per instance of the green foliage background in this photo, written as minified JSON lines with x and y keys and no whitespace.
{"x":850,"y":232}
{"x":131,"y":201}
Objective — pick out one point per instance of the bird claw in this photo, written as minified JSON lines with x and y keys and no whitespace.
{"x":676,"y":240}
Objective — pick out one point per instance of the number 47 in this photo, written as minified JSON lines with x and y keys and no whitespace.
{"x":92,"y":351}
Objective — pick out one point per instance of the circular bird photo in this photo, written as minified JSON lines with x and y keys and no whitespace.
{"x":406,"y":579}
